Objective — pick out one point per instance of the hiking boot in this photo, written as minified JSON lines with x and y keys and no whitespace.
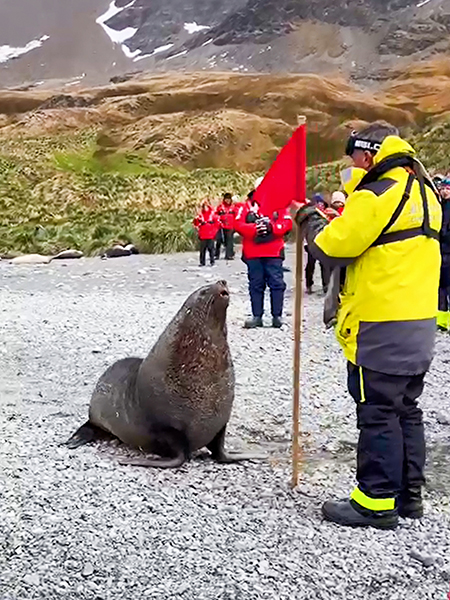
{"x":277,"y":322}
{"x":348,"y":513}
{"x":409,"y":504}
{"x":253,"y":323}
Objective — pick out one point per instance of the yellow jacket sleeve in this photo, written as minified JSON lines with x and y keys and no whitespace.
{"x":351,"y":234}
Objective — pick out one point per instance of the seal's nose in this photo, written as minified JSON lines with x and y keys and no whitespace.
{"x":223,"y":286}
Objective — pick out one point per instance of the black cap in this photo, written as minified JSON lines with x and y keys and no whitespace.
{"x":357,"y":143}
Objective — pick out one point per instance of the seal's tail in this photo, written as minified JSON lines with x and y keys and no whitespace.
{"x":85,"y":434}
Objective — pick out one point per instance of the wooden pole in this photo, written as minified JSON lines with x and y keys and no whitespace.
{"x":297,"y":449}
{"x":297,"y":446}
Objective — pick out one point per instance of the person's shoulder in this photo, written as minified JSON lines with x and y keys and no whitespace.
{"x":379,"y":187}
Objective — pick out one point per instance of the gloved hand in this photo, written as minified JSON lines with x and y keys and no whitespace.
{"x":304,"y":212}
{"x":331,"y":213}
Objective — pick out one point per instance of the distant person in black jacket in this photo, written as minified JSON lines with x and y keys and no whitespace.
{"x":443,"y":319}
{"x":318,"y":201}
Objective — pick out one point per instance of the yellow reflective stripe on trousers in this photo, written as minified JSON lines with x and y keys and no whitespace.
{"x":361,"y":385}
{"x":443,"y":319}
{"x":375,"y":504}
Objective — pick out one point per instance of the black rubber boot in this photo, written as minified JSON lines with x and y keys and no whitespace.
{"x":277,"y":322}
{"x":409,"y":504}
{"x":253,"y":323}
{"x":350,"y":514}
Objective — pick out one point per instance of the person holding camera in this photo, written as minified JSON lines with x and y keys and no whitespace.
{"x":207,"y":225}
{"x":263,"y":252}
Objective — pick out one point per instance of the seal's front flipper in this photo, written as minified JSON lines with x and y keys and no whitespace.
{"x":232,"y":457}
{"x":159,"y":463}
{"x":217,"y":449}
{"x":85,"y":434}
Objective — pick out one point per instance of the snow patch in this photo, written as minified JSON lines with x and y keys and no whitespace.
{"x":207,"y":42}
{"x":118,"y":36}
{"x":194,"y":28}
{"x":422,"y":3}
{"x":155,"y":51}
{"x":9,"y":52}
{"x":177,"y":55}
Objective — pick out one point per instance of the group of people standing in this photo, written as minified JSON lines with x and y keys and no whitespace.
{"x":333,"y":209}
{"x":215,"y":227}
{"x":262,"y":248}
{"x":263,"y":239}
{"x":383,"y":254}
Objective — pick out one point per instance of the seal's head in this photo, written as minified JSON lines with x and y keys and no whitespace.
{"x":208,"y":305}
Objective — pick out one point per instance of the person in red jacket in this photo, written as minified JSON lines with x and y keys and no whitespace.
{"x":263,"y":251}
{"x":226,"y":212}
{"x":207,"y":225}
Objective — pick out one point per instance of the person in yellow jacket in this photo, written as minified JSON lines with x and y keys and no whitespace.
{"x":386,"y":247}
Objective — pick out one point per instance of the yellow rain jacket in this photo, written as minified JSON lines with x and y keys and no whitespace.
{"x":386,"y":319}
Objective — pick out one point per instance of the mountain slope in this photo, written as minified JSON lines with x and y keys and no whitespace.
{"x":90,"y":41}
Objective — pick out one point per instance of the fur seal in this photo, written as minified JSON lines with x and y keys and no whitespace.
{"x":118,"y":250}
{"x":39,"y":259}
{"x":31,"y":259}
{"x":179,"y":398}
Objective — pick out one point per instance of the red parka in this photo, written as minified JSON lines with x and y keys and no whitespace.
{"x":207,"y":224}
{"x":270,"y":247}
{"x":227,"y":214}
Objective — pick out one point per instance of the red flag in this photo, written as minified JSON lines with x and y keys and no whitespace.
{"x":285,"y":181}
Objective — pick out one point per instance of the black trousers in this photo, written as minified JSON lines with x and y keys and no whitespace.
{"x":309,"y":272}
{"x":225,"y":238}
{"x":391,"y":447}
{"x":444,"y":284}
{"x":206,"y":245}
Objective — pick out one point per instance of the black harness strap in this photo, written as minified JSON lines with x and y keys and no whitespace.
{"x":383,"y":167}
{"x":406,"y":234}
{"x":402,"y":204}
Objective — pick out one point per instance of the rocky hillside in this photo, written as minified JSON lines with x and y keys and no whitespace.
{"x":65,"y":43}
{"x":202,"y":120}
{"x":130,"y":161}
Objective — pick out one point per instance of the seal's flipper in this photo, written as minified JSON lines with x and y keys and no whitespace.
{"x":232,"y":457}
{"x":217,"y":449}
{"x":85,"y":434}
{"x":160,"y":463}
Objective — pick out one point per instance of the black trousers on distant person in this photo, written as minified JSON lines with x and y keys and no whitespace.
{"x":444,"y":284}
{"x":309,"y":272}
{"x":225,"y":238}
{"x":206,"y":245}
{"x":391,"y":447}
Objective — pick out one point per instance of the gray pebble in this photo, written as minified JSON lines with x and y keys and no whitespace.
{"x":88,"y":570}
{"x":32,"y":580}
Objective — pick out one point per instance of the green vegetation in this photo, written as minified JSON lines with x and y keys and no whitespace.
{"x":66,"y":191}
{"x":432,"y":146}
{"x":62,"y":192}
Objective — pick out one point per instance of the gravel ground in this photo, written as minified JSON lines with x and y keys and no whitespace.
{"x":75,"y":524}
